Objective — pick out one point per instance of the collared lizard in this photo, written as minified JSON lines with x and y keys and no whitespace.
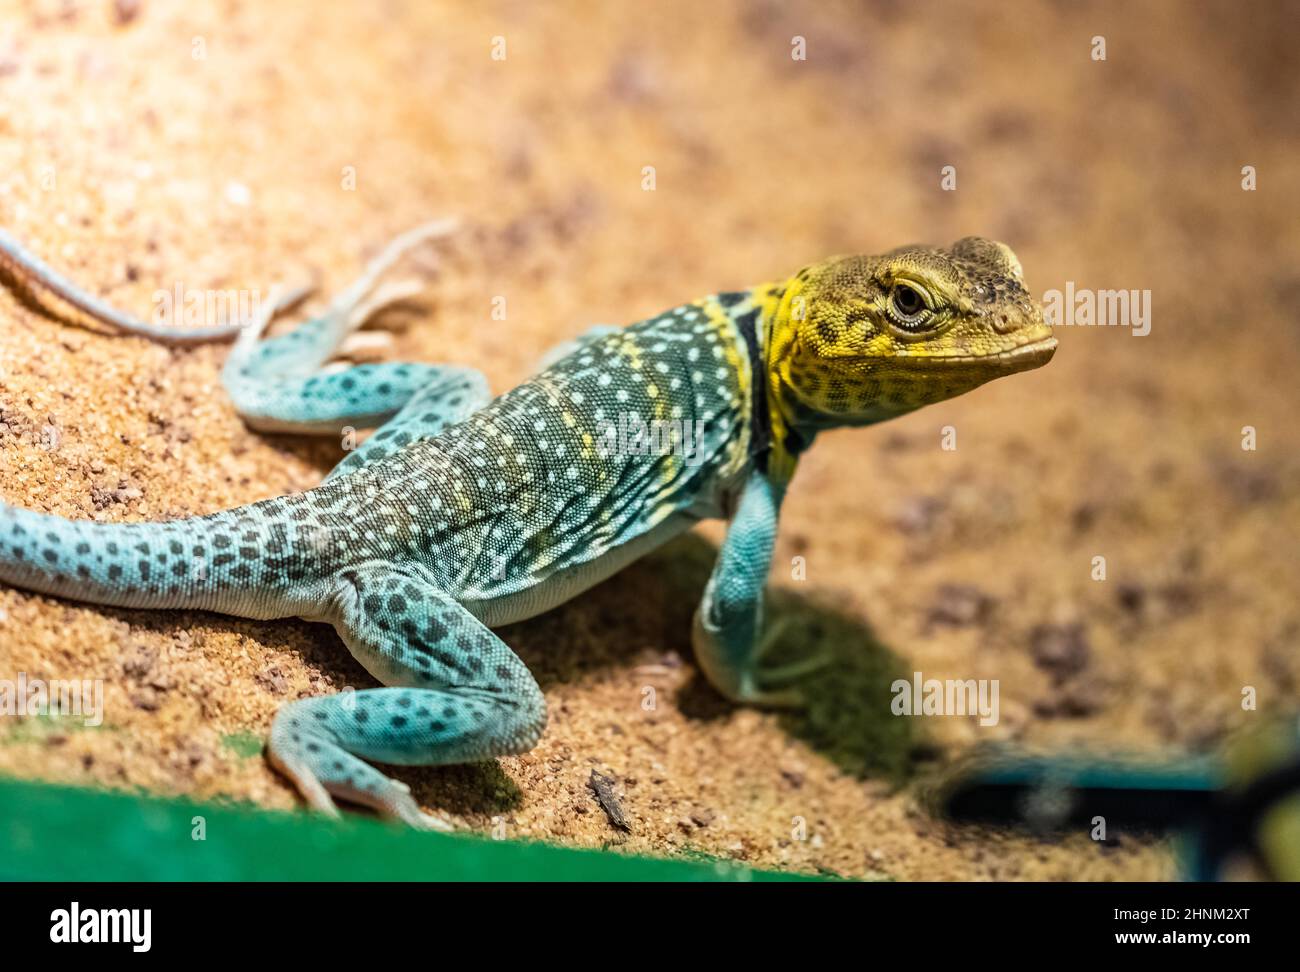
{"x":464,"y":512}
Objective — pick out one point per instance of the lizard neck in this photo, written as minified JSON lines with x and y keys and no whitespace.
{"x":780,"y":432}
{"x":795,"y":391}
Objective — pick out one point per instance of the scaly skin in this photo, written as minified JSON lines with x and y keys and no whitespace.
{"x":462,"y":513}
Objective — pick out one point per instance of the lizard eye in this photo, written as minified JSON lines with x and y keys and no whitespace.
{"x":908,"y":307}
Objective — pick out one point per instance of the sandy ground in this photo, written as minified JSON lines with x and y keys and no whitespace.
{"x":230,"y":145}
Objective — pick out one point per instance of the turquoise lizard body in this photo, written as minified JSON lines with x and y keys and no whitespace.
{"x":464,"y":512}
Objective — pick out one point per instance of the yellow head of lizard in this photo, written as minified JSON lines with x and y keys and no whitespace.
{"x":859,"y":339}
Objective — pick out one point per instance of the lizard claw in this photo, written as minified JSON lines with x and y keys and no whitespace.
{"x":428,"y":821}
{"x":387,"y":294}
{"x":322,"y":771}
{"x":365,"y":346}
{"x":786,"y":698}
{"x":773,"y":681}
{"x":778,"y":674}
{"x":792,"y":671}
{"x":751,"y":682}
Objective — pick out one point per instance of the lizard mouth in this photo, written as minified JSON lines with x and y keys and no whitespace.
{"x":1035,"y":354}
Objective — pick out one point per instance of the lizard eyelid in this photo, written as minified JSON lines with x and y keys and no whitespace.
{"x":909,"y":306}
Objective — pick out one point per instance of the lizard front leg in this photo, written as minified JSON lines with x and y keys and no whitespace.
{"x":728,"y":636}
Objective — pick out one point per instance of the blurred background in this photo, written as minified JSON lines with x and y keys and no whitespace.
{"x":231,"y":145}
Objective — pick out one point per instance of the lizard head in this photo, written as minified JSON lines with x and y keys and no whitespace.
{"x":859,"y":339}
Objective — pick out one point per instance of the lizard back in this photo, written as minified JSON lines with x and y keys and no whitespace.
{"x":625,"y":441}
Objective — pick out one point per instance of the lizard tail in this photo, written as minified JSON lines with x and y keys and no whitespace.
{"x":255,"y":561}
{"x":30,"y":268}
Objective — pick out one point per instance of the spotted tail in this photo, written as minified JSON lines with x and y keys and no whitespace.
{"x":255,"y":561}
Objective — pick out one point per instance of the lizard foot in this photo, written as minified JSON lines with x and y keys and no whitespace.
{"x":302,"y":749}
{"x":747,"y":680}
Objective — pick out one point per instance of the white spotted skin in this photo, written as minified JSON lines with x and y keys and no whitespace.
{"x":512,"y":510}
{"x":518,"y":508}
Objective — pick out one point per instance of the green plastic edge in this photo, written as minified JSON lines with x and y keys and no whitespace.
{"x":61,"y":833}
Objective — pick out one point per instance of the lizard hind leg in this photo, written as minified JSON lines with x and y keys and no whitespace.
{"x":287,"y":383}
{"x":451,"y":396}
{"x":456,"y":694}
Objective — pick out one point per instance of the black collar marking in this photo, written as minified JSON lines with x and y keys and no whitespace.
{"x":760,"y":442}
